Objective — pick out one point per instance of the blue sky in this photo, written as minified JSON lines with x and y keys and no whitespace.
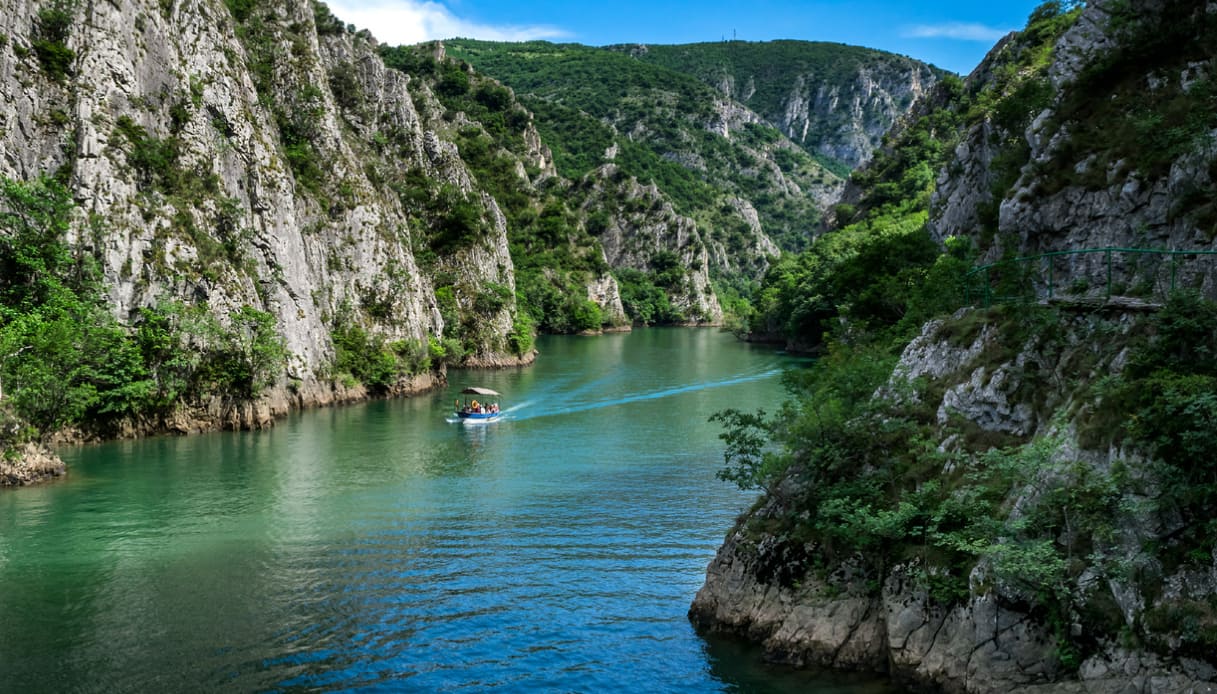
{"x":951,"y":34}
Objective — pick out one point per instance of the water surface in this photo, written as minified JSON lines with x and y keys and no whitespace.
{"x":381,"y":547}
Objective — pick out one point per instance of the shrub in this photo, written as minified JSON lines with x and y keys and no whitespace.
{"x":586,"y":315}
{"x":520,"y":339}
{"x":50,"y":36}
{"x":154,"y":160}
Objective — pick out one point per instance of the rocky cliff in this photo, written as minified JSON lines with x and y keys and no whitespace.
{"x":1113,"y":146}
{"x":1013,"y":503}
{"x":639,"y":230}
{"x":705,"y":152}
{"x":976,"y":382}
{"x":836,"y":101}
{"x":243,"y":161}
{"x":226,"y":159}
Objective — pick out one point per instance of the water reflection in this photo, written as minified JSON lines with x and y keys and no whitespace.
{"x":740,"y":666}
{"x":381,"y":546}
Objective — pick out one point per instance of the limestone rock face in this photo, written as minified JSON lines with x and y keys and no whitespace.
{"x":837,"y":622}
{"x":33,"y":463}
{"x":283,"y":135}
{"x":1101,"y":203}
{"x":961,"y":190}
{"x":843,"y":117}
{"x":641,"y":225}
{"x":987,"y":644}
{"x":605,"y":292}
{"x":862,"y":111}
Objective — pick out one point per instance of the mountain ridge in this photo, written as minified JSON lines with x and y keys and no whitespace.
{"x":667,"y":127}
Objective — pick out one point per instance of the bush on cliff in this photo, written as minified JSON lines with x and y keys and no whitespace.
{"x":859,"y":469}
{"x":64,"y":359}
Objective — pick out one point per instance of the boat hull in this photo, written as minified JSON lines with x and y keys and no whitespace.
{"x":479,"y":417}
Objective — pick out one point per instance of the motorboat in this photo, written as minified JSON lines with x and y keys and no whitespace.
{"x":479,"y":405}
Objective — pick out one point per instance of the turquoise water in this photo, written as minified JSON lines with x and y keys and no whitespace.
{"x":380,"y":547}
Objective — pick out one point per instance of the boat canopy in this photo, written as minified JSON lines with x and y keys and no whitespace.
{"x":474,"y":390}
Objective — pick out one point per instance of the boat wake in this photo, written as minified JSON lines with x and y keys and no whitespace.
{"x":520,"y":413}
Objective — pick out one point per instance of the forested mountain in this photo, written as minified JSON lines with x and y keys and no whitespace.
{"x":1001,"y":479}
{"x":836,"y":101}
{"x":213,"y":211}
{"x":718,"y":161}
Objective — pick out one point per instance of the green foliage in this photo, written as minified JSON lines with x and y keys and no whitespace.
{"x":586,"y":315}
{"x":583,"y":97}
{"x":556,"y":303}
{"x":243,"y":358}
{"x":455,"y":80}
{"x":51,"y":29}
{"x":64,"y":359}
{"x":880,"y":275}
{"x":154,"y":160}
{"x":160,"y":334}
{"x":69,"y":364}
{"x":1193,"y":620}
{"x":1167,"y":401}
{"x":667,"y":270}
{"x":327,"y":24}
{"x":36,"y":266}
{"x":299,"y":124}
{"x":748,"y":463}
{"x":1110,"y":114}
{"x":520,"y":339}
{"x":449,"y":309}
{"x":492,"y":299}
{"x":376,"y":362}
{"x":241,"y":9}
{"x":460,"y":224}
{"x":345,"y":86}
{"x":644,"y":299}
{"x":1176,"y":420}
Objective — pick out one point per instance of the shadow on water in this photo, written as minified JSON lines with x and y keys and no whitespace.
{"x":741,"y":667}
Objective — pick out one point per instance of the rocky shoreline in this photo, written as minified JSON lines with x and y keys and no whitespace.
{"x":983,"y":646}
{"x":35,"y":463}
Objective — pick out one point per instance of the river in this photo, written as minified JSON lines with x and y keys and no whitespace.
{"x":379,"y":547}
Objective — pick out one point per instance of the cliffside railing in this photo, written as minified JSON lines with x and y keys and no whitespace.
{"x":1092,"y":275}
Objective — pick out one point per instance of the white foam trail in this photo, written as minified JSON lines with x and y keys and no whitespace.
{"x":520,"y":406}
{"x":653,"y":395}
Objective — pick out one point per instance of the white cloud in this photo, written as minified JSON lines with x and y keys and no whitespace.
{"x":962,"y":31}
{"x":412,"y":21}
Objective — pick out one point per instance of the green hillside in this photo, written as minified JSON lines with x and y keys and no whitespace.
{"x":595,"y":105}
{"x":765,"y":77}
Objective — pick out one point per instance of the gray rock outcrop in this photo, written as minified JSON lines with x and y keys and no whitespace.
{"x":986,"y":383}
{"x":31,"y":464}
{"x":640,"y":225}
{"x":281,"y":137}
